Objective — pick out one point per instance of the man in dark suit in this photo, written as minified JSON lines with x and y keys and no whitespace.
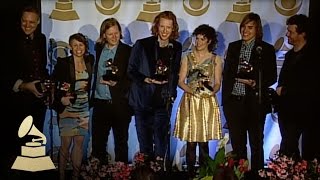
{"x":153,"y":68}
{"x":298,"y":94}
{"x":25,"y":68}
{"x":110,"y":88}
{"x":249,"y":70}
{"x":30,"y":65}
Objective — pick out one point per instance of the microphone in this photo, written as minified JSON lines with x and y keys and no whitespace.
{"x":52,"y":44}
{"x":170,"y":47}
{"x":259,"y":50}
{"x":52,"y":41}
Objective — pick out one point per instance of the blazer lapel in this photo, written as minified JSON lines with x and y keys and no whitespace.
{"x":72,"y":69}
{"x":117,"y":56}
{"x":88,"y":65}
{"x":151,"y":49}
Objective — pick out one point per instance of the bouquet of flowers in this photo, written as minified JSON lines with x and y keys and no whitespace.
{"x":93,"y":169}
{"x":284,"y":167}
{"x":224,"y":164}
{"x":141,"y":159}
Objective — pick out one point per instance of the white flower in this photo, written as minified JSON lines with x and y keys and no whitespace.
{"x":223,"y":142}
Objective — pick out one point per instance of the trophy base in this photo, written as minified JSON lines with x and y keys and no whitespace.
{"x":159,"y":77}
{"x":245,"y":76}
{"x":110,"y":78}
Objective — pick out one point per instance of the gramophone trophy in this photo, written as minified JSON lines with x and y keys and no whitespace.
{"x":162,"y":70}
{"x":33,"y":154}
{"x":204,"y":82}
{"x":66,"y":89}
{"x":46,"y":88}
{"x":111,"y":71}
{"x":246,"y":70}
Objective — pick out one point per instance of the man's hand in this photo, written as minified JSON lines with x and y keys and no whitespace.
{"x":153,"y":81}
{"x":250,"y":82}
{"x":31,"y":87}
{"x":278,"y":90}
{"x":109,"y":83}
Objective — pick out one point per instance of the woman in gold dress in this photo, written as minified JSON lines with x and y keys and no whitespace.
{"x":198,"y":116}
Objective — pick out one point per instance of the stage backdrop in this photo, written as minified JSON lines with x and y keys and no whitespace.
{"x":61,"y":18}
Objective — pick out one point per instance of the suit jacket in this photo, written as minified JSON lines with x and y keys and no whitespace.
{"x":297,"y":76}
{"x":266,"y":60}
{"x":142,"y":64}
{"x":64,"y":71}
{"x":119,"y":92}
{"x":23,"y":66}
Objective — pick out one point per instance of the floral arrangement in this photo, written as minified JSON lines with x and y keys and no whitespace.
{"x":94,"y":170}
{"x":223,"y":163}
{"x":284,"y":167}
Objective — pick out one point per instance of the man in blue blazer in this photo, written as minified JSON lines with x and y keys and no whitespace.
{"x":153,"y":68}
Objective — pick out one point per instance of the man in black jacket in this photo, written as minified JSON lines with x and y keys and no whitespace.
{"x":249,"y":70}
{"x":298,"y":94}
{"x":26,"y":70}
{"x":109,"y":98}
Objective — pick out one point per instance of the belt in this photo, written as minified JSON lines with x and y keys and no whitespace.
{"x":106,"y":101}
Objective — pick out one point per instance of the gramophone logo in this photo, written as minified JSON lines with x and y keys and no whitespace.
{"x":33,"y":154}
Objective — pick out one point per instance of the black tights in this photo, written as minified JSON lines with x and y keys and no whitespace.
{"x":191,"y":155}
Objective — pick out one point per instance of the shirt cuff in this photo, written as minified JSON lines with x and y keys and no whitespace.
{"x":17,"y":85}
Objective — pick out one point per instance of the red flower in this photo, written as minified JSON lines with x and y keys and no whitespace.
{"x":115,"y":171}
{"x":283,"y":167}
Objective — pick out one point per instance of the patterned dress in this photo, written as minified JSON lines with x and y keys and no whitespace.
{"x":198,"y":116}
{"x":77,"y":126}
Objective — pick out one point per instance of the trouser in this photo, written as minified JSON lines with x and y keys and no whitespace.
{"x":295,"y":119}
{"x":106,"y":116}
{"x":152,"y":130}
{"x":244,"y":115}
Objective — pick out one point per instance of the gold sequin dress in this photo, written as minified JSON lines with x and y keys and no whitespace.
{"x":198,"y":116}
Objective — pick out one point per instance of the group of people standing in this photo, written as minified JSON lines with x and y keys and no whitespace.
{"x":121,"y":81}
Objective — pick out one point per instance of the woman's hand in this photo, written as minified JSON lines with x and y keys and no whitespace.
{"x":83,"y":85}
{"x":65,"y":100}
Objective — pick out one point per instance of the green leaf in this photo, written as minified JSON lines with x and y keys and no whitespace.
{"x":207,"y":178}
{"x":211,"y":165}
